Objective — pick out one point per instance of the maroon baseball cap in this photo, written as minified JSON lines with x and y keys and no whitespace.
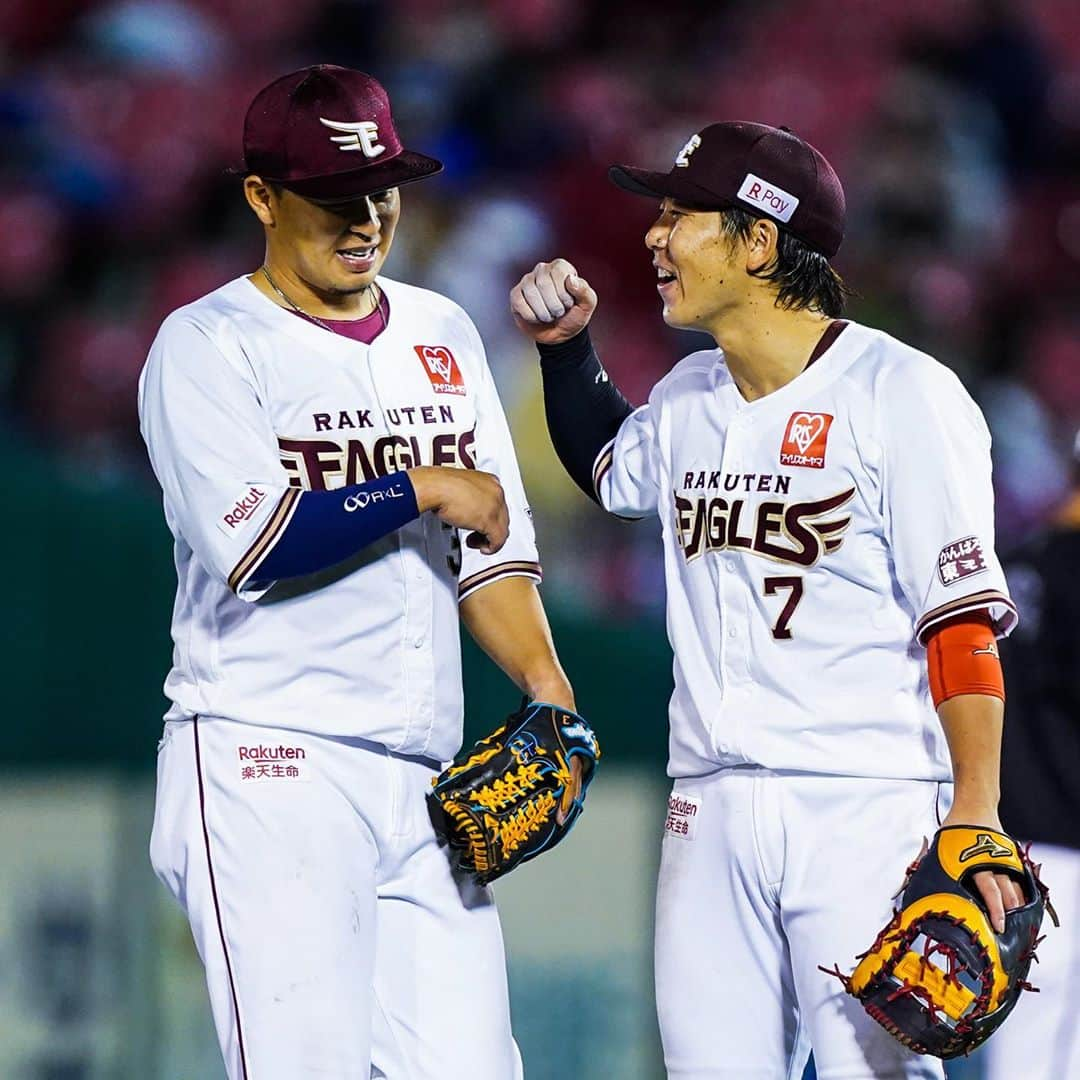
{"x":768,"y":171}
{"x":326,"y":133}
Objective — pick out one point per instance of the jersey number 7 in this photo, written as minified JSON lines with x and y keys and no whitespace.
{"x":780,"y":629}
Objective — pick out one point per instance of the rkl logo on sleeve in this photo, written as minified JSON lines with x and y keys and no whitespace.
{"x":961,"y":559}
{"x":805,"y":439}
{"x":442,"y":369}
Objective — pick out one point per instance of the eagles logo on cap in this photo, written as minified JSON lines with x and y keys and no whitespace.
{"x":362,"y":136}
{"x":327,"y":133}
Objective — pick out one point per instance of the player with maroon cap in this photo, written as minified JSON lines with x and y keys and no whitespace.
{"x":833,"y":599}
{"x":342,"y":489}
{"x":340,"y":157}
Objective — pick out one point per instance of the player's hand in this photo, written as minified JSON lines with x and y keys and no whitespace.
{"x":572,"y":792}
{"x":551,"y":303}
{"x":557,"y":691}
{"x":466,"y":499}
{"x":1000,"y":892}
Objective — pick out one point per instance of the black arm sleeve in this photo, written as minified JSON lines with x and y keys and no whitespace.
{"x":584,"y":408}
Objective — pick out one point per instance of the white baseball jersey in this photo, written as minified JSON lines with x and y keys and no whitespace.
{"x":242,"y":406}
{"x":811,"y":539}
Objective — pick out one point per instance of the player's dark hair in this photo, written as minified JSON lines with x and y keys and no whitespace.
{"x":803,"y":277}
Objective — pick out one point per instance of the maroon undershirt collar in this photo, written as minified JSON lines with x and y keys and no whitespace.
{"x":364,"y":330}
{"x":832,"y":332}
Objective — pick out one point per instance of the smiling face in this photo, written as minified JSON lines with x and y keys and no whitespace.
{"x":332,"y":252}
{"x":699,"y":273}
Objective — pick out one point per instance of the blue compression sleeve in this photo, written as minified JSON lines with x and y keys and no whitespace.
{"x":330,"y":526}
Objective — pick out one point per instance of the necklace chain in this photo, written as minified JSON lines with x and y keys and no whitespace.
{"x":296,"y":307}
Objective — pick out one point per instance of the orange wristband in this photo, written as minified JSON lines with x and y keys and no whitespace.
{"x":962,"y":658}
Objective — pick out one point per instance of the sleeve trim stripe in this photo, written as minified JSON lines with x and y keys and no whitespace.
{"x":519,"y":568}
{"x":975,"y":602}
{"x":604,"y":461}
{"x":271,"y":533}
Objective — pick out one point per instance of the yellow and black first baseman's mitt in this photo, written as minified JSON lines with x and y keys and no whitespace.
{"x":938,"y":977}
{"x":497,"y":804}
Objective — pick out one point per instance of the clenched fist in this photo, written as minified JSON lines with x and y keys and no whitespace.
{"x":551,"y":303}
{"x":466,"y":499}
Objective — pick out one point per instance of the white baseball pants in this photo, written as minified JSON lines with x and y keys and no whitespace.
{"x":337,"y":942}
{"x":763,"y":877}
{"x":1041,"y":1039}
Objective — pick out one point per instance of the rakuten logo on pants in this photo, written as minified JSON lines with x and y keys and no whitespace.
{"x":272,"y":763}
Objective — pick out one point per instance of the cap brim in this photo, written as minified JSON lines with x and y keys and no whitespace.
{"x":639,"y":181}
{"x":658,"y":185}
{"x":406,"y":168}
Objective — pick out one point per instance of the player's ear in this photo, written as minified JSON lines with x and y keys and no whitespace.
{"x":260,"y":197}
{"x":761,"y":245}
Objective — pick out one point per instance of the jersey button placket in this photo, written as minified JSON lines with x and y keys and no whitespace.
{"x":416,"y":585}
{"x":742,"y":600}
{"x":738,"y":660}
{"x":419,"y":608}
{"x":727,"y":635}
{"x":724,"y":582}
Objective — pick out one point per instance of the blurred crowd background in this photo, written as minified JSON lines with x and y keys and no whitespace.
{"x":955,"y":125}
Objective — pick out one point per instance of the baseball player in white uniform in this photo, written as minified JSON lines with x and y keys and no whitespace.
{"x":833,"y":600}
{"x":324,"y":436}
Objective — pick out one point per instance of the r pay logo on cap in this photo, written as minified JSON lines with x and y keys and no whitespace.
{"x":774,"y":200}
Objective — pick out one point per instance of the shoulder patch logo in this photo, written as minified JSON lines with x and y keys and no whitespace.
{"x":805,"y":439}
{"x":960,"y":560}
{"x":441,"y":368}
{"x":237,"y":518}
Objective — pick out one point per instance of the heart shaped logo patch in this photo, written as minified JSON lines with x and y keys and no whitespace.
{"x":805,"y":440}
{"x":441,"y":368}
